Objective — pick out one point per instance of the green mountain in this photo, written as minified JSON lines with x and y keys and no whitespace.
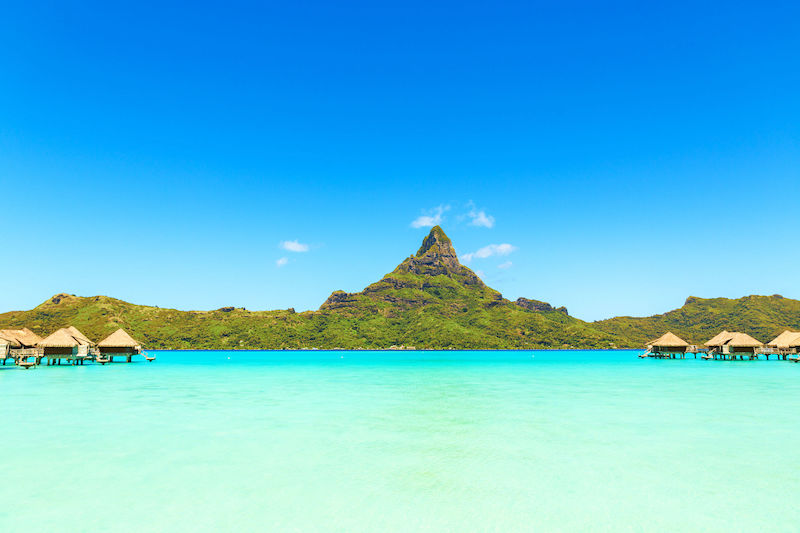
{"x":430,"y":300}
{"x":763,"y":317}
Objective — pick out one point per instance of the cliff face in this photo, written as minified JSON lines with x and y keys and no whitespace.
{"x":437,"y":257}
{"x":536,"y":305}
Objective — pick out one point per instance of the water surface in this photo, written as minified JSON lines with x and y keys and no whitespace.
{"x":402,"y":441}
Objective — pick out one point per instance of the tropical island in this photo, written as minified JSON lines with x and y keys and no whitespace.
{"x":430,"y":301}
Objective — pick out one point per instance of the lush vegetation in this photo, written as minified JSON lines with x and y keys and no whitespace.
{"x":763,"y":317}
{"x":429,"y":301}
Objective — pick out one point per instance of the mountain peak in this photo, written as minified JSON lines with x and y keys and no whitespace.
{"x":60,"y":297}
{"x":439,"y":240}
{"x":436,"y":257}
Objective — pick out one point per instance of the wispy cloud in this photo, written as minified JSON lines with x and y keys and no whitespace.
{"x":480,"y":273}
{"x":294,"y":246}
{"x":431,"y":217}
{"x":479,"y":217}
{"x":489,"y":251}
{"x":505,"y":265}
{"x":281,"y":262}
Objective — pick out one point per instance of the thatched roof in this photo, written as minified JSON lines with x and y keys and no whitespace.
{"x":62,"y":338}
{"x":733,"y":338}
{"x":719,"y":339}
{"x":743,"y":340}
{"x":118,"y":339}
{"x":787,"y":339}
{"x":78,"y":335}
{"x":670,"y":340}
{"x":28,"y":338}
{"x":23,"y":337}
{"x":10,"y":340}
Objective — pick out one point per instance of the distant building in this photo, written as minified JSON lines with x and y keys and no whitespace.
{"x":66,"y":343}
{"x":119,"y":343}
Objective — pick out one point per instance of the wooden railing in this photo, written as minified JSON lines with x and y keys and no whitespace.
{"x":24,"y":352}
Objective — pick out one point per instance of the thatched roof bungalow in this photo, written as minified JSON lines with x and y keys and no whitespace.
{"x":668,"y":343}
{"x":119,"y":342}
{"x":733,"y":342}
{"x":786,"y":340}
{"x":6,"y":344}
{"x":65,"y":342}
{"x":8,"y":340}
{"x":24,"y":338}
{"x":744,"y":342}
{"x":719,"y":339}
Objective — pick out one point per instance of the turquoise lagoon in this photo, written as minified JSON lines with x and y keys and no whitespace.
{"x":402,"y":441}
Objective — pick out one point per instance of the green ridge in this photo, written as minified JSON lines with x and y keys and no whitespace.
{"x":763,"y":317}
{"x":430,"y":300}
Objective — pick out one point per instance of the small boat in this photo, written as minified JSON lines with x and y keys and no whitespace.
{"x":149,"y":358}
{"x":103,"y":359}
{"x":706,"y":356}
{"x":26,"y":364}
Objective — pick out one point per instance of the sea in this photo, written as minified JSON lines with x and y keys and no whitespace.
{"x":453,"y":441}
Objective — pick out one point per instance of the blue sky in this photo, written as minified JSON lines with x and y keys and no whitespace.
{"x":612,"y":158}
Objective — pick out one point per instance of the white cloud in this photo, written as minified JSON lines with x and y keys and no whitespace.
{"x":480,"y":273}
{"x":505,"y":265}
{"x":489,"y":251}
{"x":294,"y":246}
{"x":432,"y":217}
{"x":482,"y":219}
{"x":479,"y":218}
{"x":281,"y":262}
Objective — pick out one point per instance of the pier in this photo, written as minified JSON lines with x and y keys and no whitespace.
{"x":67,"y":346}
{"x":727,"y":346}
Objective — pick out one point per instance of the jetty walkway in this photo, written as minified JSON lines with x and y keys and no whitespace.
{"x":67,"y":345}
{"x":726,"y":346}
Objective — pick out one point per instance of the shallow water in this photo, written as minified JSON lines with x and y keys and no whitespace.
{"x":402,"y":441}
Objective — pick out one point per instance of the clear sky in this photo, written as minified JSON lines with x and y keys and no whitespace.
{"x":611,"y":158}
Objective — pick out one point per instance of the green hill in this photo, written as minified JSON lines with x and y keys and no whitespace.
{"x":763,"y":317}
{"x":430,"y":300}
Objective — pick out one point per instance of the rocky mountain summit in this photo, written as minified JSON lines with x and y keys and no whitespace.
{"x":433,"y":273}
{"x":437,"y":257}
{"x":536,"y":305}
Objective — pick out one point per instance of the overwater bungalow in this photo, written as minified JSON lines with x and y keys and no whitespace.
{"x":66,"y":343}
{"x":25,"y":337}
{"x":120,"y":344}
{"x":20,"y":343}
{"x":732,"y":345}
{"x":668,"y":346}
{"x":787,"y":343}
{"x":6,"y":344}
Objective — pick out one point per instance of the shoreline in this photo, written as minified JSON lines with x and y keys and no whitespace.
{"x":389,"y":350}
